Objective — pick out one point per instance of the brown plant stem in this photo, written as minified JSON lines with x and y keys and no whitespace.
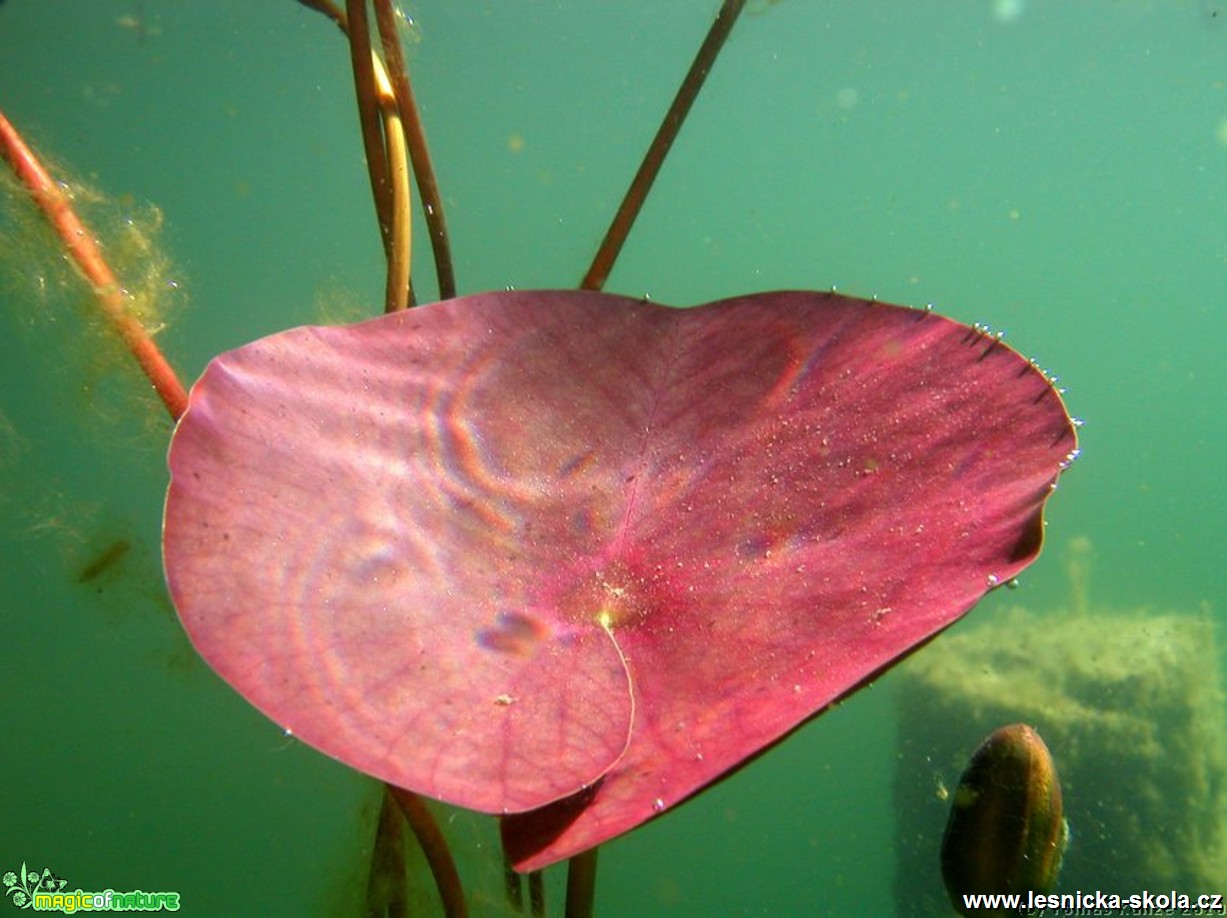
{"x":434,"y":846}
{"x":357,"y":29}
{"x":397,"y":294}
{"x":512,"y":886}
{"x":383,"y":138}
{"x":581,"y":884}
{"x":415,"y":134}
{"x":79,"y":241}
{"x":536,"y":893}
{"x":637,"y":193}
{"x":387,"y":895}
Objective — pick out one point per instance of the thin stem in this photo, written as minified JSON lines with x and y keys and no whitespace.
{"x":400,"y":252}
{"x":512,"y":886}
{"x":536,"y":893}
{"x":434,"y":846}
{"x":637,"y":193}
{"x":79,"y":242}
{"x":423,"y":168}
{"x":386,"y":892}
{"x":360,"y":52}
{"x":581,"y":884}
{"x":379,"y":96}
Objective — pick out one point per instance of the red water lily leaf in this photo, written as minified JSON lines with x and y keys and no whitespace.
{"x":533,"y":548}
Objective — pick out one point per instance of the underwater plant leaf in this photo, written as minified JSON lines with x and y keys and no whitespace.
{"x":574,"y":556}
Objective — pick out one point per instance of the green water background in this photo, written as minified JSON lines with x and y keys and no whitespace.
{"x":1054,"y":169}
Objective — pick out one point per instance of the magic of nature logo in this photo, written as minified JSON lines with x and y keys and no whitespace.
{"x":43,"y":891}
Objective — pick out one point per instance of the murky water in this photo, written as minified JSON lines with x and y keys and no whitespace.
{"x":1053,"y":169}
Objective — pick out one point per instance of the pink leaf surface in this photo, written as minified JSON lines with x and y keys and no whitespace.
{"x":531,"y":548}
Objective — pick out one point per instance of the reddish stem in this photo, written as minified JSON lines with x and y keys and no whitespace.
{"x":434,"y":846}
{"x":387,"y":894}
{"x":419,"y":155}
{"x":641,"y":184}
{"x":79,"y":242}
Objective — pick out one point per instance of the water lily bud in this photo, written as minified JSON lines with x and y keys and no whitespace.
{"x":1006,"y":833}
